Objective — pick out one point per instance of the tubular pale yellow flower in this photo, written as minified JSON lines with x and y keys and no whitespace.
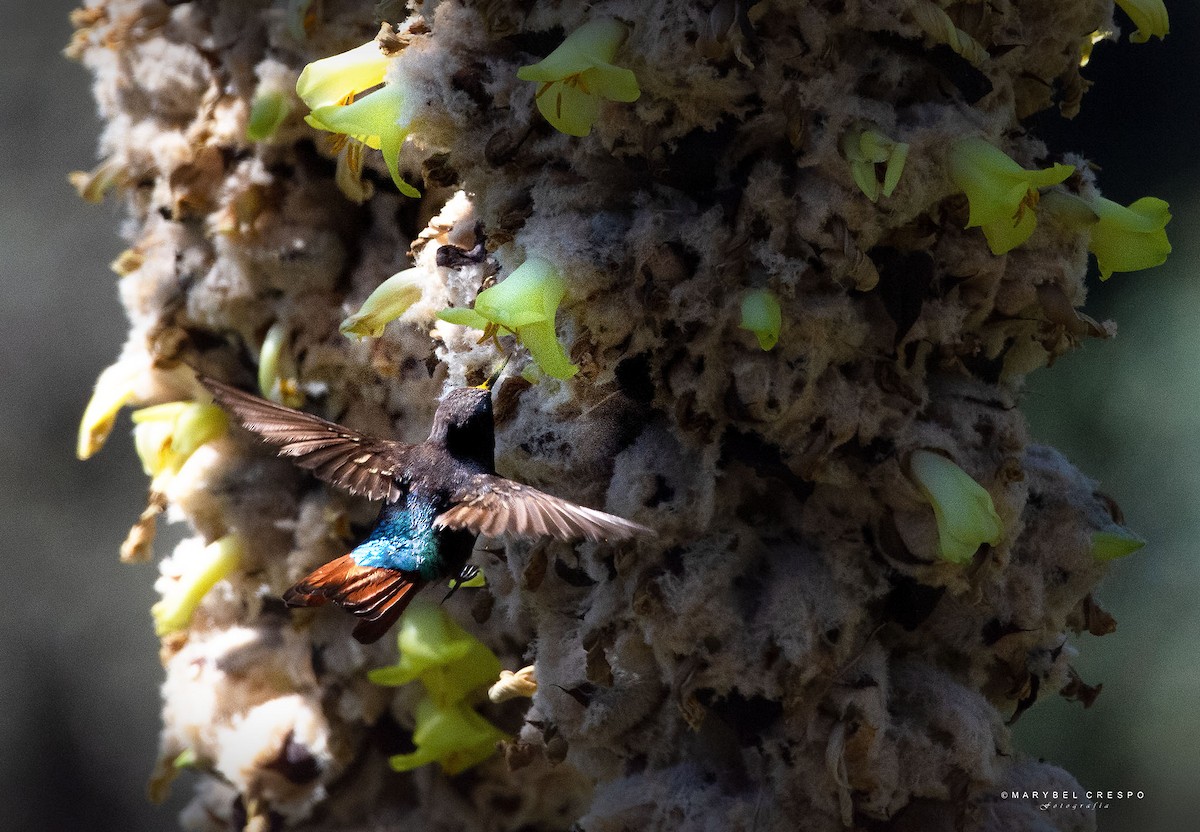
{"x":389,"y":301}
{"x":1150,"y":17}
{"x":525,"y":304}
{"x":267,"y":112}
{"x":332,"y":87}
{"x":966,"y":516}
{"x":522,"y":683}
{"x":1002,"y":195}
{"x":1128,"y":239}
{"x":762,"y":316}
{"x":378,"y":121}
{"x":456,"y":737}
{"x":1112,"y":545}
{"x":114,"y":389}
{"x":216,"y":561}
{"x":331,"y":80}
{"x":576,"y":75}
{"x":449,"y":661}
{"x":277,"y":373}
{"x":166,"y":435}
{"x":864,"y":149}
{"x":94,"y":184}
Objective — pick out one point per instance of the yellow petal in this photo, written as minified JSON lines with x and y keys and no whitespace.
{"x":114,"y":389}
{"x":530,"y":294}
{"x":545,"y":349}
{"x":1150,"y":17}
{"x":895,"y":167}
{"x":166,"y":435}
{"x":594,"y":43}
{"x":1129,"y":239}
{"x":379,"y":120}
{"x":966,"y":517}
{"x":995,"y":185}
{"x":1005,"y":235}
{"x":568,"y":108}
{"x":276,"y":369}
{"x":1112,"y":545}
{"x":456,"y":737}
{"x":268,"y":111}
{"x":215,"y":562}
{"x":152,"y":441}
{"x":449,"y":661}
{"x":612,"y":82}
{"x":464,"y":317}
{"x":331,"y":80}
{"x":576,"y":75}
{"x":389,"y":301}
{"x":762,"y":316}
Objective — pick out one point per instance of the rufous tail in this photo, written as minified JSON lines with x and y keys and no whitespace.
{"x":376,"y":595}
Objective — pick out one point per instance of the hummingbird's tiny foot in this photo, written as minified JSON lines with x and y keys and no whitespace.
{"x":468,"y":572}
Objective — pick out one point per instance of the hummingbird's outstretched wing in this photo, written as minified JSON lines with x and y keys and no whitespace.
{"x":361,"y":464}
{"x":498,"y":507}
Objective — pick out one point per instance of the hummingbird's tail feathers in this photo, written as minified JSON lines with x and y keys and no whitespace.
{"x":376,"y":595}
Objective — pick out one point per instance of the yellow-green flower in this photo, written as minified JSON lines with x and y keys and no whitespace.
{"x":966,"y":517}
{"x":268,"y":110}
{"x":450,"y":664}
{"x":449,"y":661}
{"x":333,"y":89}
{"x":524,"y":304}
{"x":334,"y":79}
{"x":1128,"y":239}
{"x":277,"y":373}
{"x":94,"y":184}
{"x":114,"y":389}
{"x":389,"y":301}
{"x":165,"y":435}
{"x":864,"y":149}
{"x":1002,"y":195}
{"x":454,"y":736}
{"x":215,"y":562}
{"x":1150,"y":17}
{"x":1112,"y":545}
{"x":576,"y":75}
{"x":762,"y":316}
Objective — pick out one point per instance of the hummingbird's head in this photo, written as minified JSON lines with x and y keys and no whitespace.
{"x":463,"y":424}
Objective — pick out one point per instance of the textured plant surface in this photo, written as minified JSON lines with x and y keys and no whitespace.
{"x":798,"y":648}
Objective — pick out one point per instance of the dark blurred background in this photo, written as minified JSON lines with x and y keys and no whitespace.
{"x":79,"y":668}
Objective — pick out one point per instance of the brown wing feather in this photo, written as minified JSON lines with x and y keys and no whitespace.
{"x":497,"y":507}
{"x":361,"y":464}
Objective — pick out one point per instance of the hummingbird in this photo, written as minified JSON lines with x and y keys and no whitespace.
{"x":438,"y":497}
